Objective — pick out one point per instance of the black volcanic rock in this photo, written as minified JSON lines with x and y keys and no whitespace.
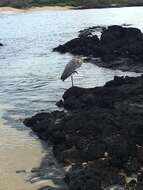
{"x":85,"y":46}
{"x":118,"y":47}
{"x":90,"y":177}
{"x":100,"y":134}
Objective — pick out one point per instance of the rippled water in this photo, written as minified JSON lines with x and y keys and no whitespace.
{"x":30,"y":71}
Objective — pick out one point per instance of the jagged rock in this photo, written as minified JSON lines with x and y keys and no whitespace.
{"x":100,"y":133}
{"x":118,"y":47}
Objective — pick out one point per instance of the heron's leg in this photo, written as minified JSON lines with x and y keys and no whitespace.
{"x":72,"y":79}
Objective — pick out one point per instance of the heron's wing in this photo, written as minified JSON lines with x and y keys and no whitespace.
{"x":70,"y":68}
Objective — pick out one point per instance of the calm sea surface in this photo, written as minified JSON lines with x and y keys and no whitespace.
{"x":30,"y":76}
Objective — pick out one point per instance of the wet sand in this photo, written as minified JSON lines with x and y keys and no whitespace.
{"x":18,"y":152}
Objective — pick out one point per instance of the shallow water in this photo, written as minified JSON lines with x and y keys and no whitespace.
{"x":30,"y":76}
{"x":18,"y":152}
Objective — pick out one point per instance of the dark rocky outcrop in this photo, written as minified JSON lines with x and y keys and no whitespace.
{"x":100,"y":135}
{"x":118,"y":47}
{"x":1,"y":44}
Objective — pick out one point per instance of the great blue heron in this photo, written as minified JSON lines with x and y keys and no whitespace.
{"x":71,"y":68}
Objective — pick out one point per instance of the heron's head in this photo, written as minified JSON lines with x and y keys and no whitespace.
{"x":62,"y":78}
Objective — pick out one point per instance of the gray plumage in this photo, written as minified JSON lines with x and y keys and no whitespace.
{"x":71,"y":68}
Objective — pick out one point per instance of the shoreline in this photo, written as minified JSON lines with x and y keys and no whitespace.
{"x":33,"y":9}
{"x":12,"y":10}
{"x":16,"y":170}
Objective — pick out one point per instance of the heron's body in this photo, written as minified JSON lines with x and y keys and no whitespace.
{"x":71,"y":68}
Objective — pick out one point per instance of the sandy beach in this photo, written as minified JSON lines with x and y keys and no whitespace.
{"x":10,"y":10}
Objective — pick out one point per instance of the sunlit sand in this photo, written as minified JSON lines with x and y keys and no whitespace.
{"x":19,"y":153}
{"x":10,"y":10}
